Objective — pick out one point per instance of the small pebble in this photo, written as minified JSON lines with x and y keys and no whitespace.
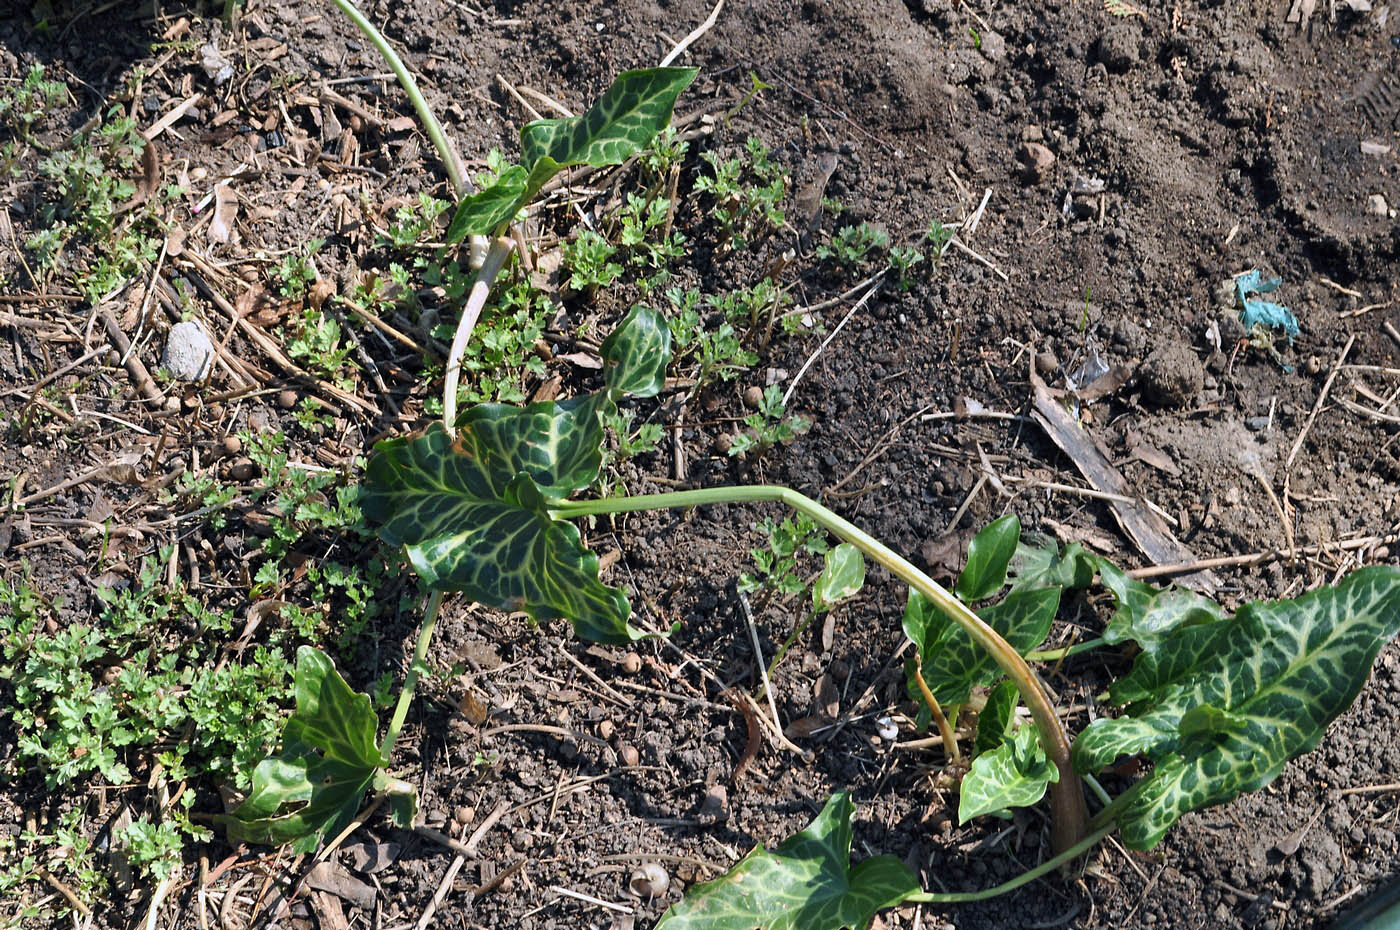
{"x":753,"y":396}
{"x":631,"y":663}
{"x":243,"y":470}
{"x":188,"y":352}
{"x":715,"y":807}
{"x":463,"y":814}
{"x":1046,"y":363}
{"x":1376,"y":205}
{"x":287,"y":399}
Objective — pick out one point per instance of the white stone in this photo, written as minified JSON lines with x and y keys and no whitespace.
{"x":1376,"y":205}
{"x":188,"y":352}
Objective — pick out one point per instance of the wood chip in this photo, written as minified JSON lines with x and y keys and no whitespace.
{"x":1146,"y":530}
{"x":225,"y":213}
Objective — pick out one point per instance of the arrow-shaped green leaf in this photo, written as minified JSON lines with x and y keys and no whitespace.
{"x":952,"y":664}
{"x":1222,"y":706}
{"x":473,"y":515}
{"x":996,"y":717}
{"x":482,"y":212}
{"x":988,"y":555}
{"x":621,"y":123}
{"x":842,"y":576}
{"x":1015,"y":774}
{"x":636,"y":353}
{"x":806,"y":883}
{"x":329,"y":758}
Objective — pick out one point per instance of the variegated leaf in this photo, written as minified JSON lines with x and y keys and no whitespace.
{"x":480,"y":213}
{"x":621,"y":123}
{"x":1040,"y":565}
{"x":636,"y":353}
{"x":805,"y":883}
{"x":1222,"y":706}
{"x":329,"y":758}
{"x":952,"y":664}
{"x":1015,"y":774}
{"x":473,"y":515}
{"x":1147,"y":615}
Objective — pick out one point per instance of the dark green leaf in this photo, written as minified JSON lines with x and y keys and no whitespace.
{"x":473,"y":515}
{"x":483,"y":211}
{"x":636,"y":353}
{"x":842,"y":576}
{"x":952,"y":664}
{"x":994,"y":722}
{"x":636,"y":107}
{"x":1045,"y":564}
{"x":806,"y":883}
{"x":329,"y":758}
{"x":987,"y":557}
{"x":1015,"y":774}
{"x":1222,"y":706}
{"x":541,"y":171}
{"x":1146,"y":614}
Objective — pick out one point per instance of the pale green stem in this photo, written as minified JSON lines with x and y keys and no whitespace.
{"x":410,"y":682}
{"x":1049,"y":865}
{"x":1067,"y":795}
{"x":410,"y":87}
{"x":1055,"y":655}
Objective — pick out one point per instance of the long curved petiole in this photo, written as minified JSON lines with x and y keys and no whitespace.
{"x":1067,"y":796}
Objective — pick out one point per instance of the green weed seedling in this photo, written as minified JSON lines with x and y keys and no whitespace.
{"x":852,"y":245}
{"x":747,"y":197}
{"x":902,"y":261}
{"x":769,"y":425}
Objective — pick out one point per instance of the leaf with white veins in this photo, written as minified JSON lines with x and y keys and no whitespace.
{"x":1221,"y":707}
{"x":805,"y":883}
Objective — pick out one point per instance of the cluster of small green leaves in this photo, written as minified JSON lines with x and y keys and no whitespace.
{"x":747,"y":194}
{"x":88,"y":178}
{"x":643,"y":234}
{"x":297,"y":272}
{"x":140,"y":686}
{"x":714,"y":353}
{"x":26,"y":899}
{"x":589,"y":258}
{"x":752,"y":308}
{"x":852,"y":246}
{"x":24,"y":104}
{"x":769,"y":425}
{"x":779,"y":560}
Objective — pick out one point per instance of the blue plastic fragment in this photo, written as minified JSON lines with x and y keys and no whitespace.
{"x":1274,"y":316}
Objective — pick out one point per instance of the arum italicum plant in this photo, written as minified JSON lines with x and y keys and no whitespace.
{"x":1216,"y":704}
{"x":330,"y":757}
{"x":481,"y":504}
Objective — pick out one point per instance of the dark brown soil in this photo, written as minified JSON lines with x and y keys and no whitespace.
{"x":1224,"y":139}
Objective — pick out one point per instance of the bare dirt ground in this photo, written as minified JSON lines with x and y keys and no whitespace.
{"x":1119,"y":167}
